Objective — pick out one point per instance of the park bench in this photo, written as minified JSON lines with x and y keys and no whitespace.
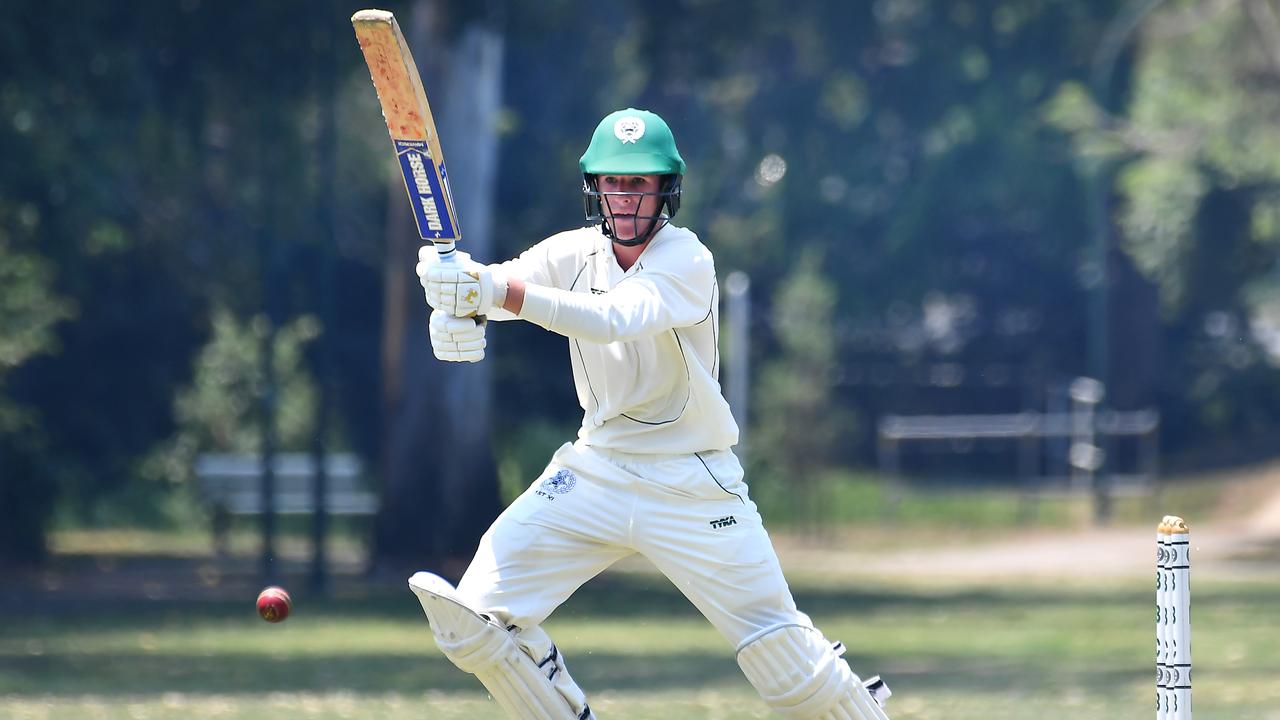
{"x":232,"y":485}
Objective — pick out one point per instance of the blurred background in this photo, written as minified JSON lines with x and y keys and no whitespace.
{"x":994,"y":272}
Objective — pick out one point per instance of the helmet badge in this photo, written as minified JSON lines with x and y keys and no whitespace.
{"x":628,"y":129}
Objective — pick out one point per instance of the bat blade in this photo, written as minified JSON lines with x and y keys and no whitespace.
{"x":412,"y":128}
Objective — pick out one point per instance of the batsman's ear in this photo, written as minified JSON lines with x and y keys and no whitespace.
{"x":591,"y":199}
{"x":671,"y":190}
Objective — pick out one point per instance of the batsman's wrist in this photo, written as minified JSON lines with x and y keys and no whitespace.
{"x":499,"y":279}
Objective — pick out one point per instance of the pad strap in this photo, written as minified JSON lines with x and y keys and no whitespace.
{"x":477,"y":644}
{"x":802,"y":676}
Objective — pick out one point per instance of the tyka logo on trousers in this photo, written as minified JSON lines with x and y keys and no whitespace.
{"x":724,"y":522}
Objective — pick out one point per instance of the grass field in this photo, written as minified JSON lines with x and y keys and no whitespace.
{"x":959,"y":651}
{"x":115,"y":630}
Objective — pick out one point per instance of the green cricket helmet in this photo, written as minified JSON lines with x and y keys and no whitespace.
{"x":632,"y":142}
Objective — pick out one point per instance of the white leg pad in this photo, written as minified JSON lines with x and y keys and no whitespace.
{"x":802,"y":676}
{"x":526,"y":689}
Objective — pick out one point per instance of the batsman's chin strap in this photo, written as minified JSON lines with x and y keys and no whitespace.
{"x":655,"y":224}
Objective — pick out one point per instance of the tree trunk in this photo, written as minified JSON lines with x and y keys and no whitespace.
{"x":441,"y":490}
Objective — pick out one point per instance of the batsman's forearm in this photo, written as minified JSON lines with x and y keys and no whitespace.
{"x":617,"y":316}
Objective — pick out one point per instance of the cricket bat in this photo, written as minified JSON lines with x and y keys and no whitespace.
{"x":413,"y":130}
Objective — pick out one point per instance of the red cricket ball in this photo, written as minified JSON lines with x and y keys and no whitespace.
{"x":274,"y":604}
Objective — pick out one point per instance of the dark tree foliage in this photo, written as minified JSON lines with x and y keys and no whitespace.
{"x":161,"y":156}
{"x":904,"y":141}
{"x":163,"y":160}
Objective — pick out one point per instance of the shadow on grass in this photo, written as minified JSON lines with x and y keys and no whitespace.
{"x":612,"y":596}
{"x":628,"y":596}
{"x":130,"y":674}
{"x":35,"y":637}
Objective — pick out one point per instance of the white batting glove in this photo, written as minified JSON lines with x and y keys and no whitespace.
{"x":440,"y":282}
{"x":455,"y":339}
{"x":465,"y":290}
{"x":429,"y":258}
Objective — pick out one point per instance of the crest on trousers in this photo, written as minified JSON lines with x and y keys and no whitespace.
{"x":628,"y":129}
{"x":560,"y":483}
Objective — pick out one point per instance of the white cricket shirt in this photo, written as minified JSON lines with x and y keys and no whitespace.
{"x":643,"y":343}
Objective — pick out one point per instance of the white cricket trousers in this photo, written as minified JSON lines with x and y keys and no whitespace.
{"x":690,"y":515}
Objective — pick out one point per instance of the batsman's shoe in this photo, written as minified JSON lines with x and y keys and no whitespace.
{"x":878,"y":690}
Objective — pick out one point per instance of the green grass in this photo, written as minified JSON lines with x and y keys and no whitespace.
{"x":950,"y":648}
{"x":963,"y":652}
{"x":865,"y":499}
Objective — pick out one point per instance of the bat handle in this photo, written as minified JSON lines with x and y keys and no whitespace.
{"x":446,"y":251}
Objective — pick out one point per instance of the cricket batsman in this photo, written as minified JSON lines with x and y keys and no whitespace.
{"x":651,"y":471}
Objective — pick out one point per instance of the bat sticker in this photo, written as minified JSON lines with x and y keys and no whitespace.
{"x":431,"y":207}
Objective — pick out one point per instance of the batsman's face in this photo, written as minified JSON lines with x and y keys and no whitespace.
{"x":626,"y":208}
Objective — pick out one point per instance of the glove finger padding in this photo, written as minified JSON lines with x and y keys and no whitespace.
{"x":463,"y":326}
{"x":468,"y":346}
{"x":458,"y":355}
{"x":459,"y":352}
{"x":428,"y":258}
{"x":447,"y":327}
{"x":455,"y":339}
{"x":456,"y":342}
{"x":459,"y":291}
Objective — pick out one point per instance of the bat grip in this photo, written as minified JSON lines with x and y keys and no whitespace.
{"x":446,"y":251}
